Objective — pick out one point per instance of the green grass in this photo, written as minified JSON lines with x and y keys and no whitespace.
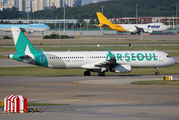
{"x":133,"y":41}
{"x":156,"y":82}
{"x":41,"y":71}
{"x":43,"y":104}
{"x":102,"y":48}
{"x":173,"y":54}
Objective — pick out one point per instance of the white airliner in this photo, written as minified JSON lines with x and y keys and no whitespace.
{"x":92,"y":61}
{"x":30,"y":28}
{"x":133,"y":28}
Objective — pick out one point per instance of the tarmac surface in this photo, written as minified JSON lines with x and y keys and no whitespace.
{"x":111,"y":98}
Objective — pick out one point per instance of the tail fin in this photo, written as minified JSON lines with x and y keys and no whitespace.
{"x":21,"y":42}
{"x":102,"y":19}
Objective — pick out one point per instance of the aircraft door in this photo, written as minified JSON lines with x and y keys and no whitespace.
{"x":160,"y":58}
{"x":87,"y":58}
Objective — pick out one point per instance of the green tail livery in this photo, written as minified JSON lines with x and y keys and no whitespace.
{"x":26,"y":52}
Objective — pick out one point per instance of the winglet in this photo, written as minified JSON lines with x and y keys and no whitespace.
{"x":42,"y":50}
{"x":110,"y":54}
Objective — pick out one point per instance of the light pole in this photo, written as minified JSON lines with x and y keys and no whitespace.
{"x":102,"y":13}
{"x":64,"y":19}
{"x":59,"y":28}
{"x":80,"y":27}
{"x":177,"y":18}
{"x":73,"y":29}
{"x":27,"y":13}
{"x":136,"y":14}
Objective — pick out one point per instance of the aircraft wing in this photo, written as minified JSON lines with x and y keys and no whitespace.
{"x":107,"y":64}
{"x":110,"y":62}
{"x":140,"y":29}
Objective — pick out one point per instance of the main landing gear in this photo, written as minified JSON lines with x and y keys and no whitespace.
{"x":156,"y":71}
{"x":87,"y":73}
{"x":101,"y":74}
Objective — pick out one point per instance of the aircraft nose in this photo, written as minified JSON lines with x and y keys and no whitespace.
{"x":167,"y":27}
{"x":173,"y":61}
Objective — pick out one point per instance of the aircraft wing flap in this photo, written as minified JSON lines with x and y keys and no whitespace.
{"x":107,"y":64}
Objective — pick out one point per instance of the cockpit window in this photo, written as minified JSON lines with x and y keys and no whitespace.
{"x":168,"y":56}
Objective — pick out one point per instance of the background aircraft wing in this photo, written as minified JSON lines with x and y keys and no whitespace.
{"x":140,"y":29}
{"x":104,"y":25}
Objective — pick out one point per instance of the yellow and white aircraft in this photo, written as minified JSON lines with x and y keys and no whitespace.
{"x":133,"y":28}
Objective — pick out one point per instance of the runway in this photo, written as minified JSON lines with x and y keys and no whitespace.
{"x":94,"y":101}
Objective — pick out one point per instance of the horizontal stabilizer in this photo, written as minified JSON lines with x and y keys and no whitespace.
{"x":104,"y":25}
{"x":25,"y":57}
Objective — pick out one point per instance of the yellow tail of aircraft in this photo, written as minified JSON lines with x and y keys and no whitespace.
{"x":105,"y":23}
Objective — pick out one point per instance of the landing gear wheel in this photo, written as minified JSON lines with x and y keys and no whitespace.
{"x":132,"y":33}
{"x":157,"y":73}
{"x":87,"y":73}
{"x":101,"y":74}
{"x":138,"y":33}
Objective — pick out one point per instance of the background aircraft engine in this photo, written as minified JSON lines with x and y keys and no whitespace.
{"x":121,"y":69}
{"x":147,"y":30}
{"x":150,"y":31}
{"x":29,"y":30}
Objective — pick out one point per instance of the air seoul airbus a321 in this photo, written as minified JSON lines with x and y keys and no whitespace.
{"x":92,"y":61}
{"x":133,"y":28}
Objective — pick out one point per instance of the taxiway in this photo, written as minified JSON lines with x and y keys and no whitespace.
{"x":119,"y":100}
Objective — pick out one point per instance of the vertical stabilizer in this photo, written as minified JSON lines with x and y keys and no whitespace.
{"x":102,"y":19}
{"x":21,"y":42}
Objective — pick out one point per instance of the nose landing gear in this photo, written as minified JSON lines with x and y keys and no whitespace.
{"x":156,"y":71}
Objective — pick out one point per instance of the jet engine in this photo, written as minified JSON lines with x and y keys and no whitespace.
{"x":29,"y":30}
{"x":148,"y":30}
{"x":121,"y":69}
